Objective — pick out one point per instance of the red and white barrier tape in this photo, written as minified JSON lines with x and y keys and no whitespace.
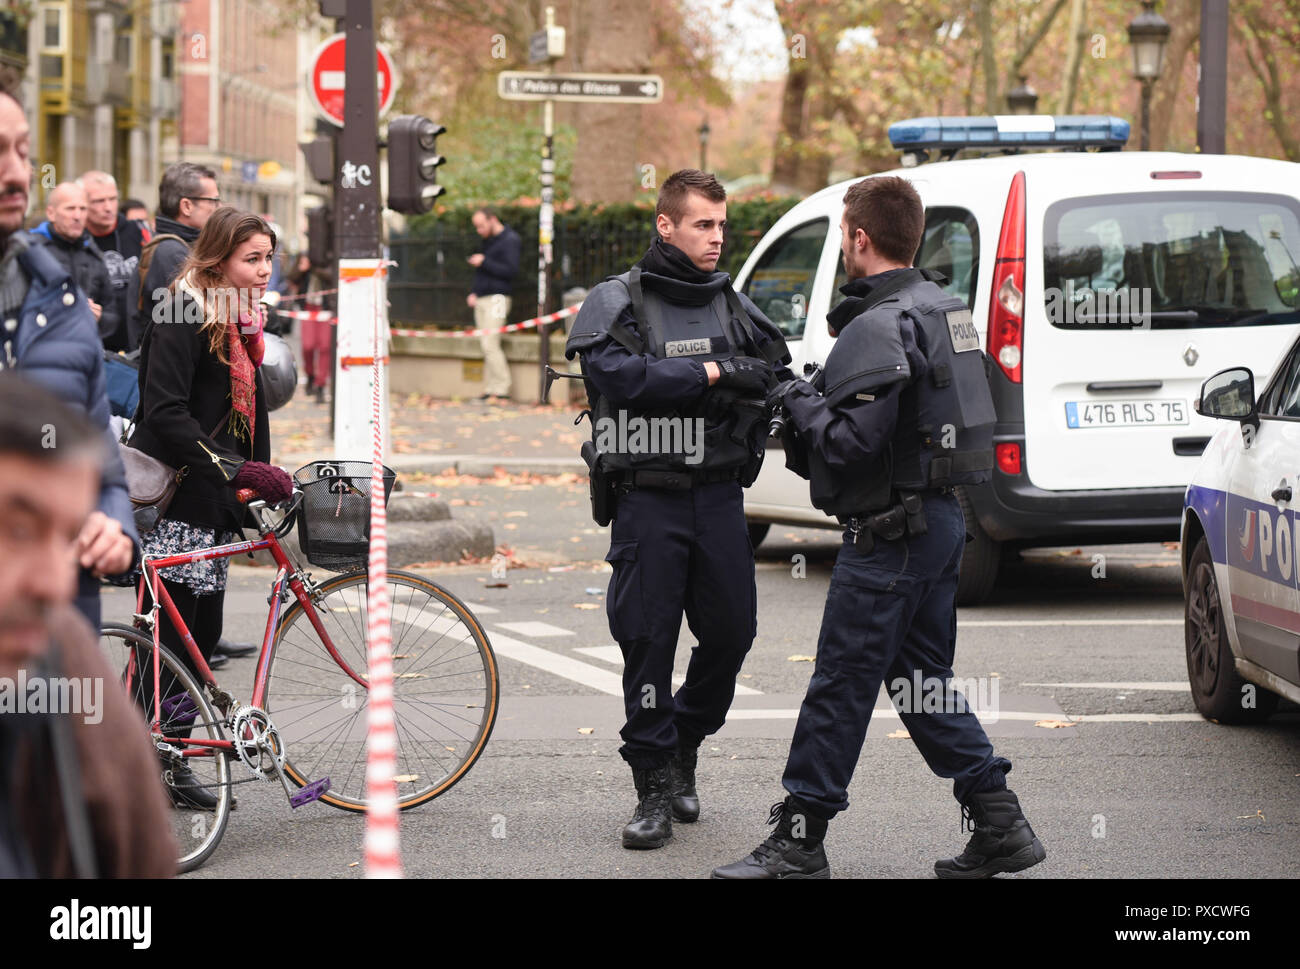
{"x":508,"y":328}
{"x":383,"y":859}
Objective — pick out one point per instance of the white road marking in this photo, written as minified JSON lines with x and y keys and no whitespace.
{"x":565,"y":666}
{"x":483,"y":610}
{"x":614,"y":656}
{"x":1174,"y":686}
{"x":966,"y":623}
{"x":538,"y":629}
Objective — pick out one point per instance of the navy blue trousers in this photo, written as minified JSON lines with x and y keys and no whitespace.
{"x":676,"y":552}
{"x":890,"y":615}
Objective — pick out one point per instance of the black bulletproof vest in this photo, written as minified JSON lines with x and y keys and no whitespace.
{"x":677,"y":438}
{"x":944,"y":434}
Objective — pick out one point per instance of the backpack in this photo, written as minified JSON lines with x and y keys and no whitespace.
{"x":146,"y":257}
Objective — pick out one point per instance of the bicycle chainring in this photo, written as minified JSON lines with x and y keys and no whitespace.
{"x":257,"y":742}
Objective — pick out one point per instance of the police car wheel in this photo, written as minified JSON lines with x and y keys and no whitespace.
{"x":1220,"y":694}
{"x":757,"y":532}
{"x":979,"y":560}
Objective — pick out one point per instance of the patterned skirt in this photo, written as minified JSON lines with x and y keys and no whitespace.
{"x":170,"y":537}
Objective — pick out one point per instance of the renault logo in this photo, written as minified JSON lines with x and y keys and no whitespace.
{"x":1190,"y":356}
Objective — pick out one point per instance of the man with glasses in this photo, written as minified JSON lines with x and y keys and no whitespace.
{"x":187,"y":197}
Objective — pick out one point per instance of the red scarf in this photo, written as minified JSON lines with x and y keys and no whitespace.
{"x":244,"y":359}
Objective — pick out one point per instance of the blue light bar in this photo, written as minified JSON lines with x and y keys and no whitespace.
{"x":1010,"y":131}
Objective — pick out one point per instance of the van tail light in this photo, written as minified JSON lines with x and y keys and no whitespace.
{"x":1007,"y":307}
{"x":1007,"y":458}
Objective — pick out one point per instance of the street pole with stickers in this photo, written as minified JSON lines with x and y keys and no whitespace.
{"x":362,"y":281}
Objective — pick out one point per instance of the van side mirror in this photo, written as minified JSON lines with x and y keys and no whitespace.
{"x":1230,"y":395}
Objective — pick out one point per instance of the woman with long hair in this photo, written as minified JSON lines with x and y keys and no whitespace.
{"x":202,"y":409}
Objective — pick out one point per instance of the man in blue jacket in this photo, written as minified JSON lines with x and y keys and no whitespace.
{"x":48,"y":332}
{"x":495,"y":269}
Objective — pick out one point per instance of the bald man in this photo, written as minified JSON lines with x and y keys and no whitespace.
{"x":120,"y":239}
{"x":64,"y":234}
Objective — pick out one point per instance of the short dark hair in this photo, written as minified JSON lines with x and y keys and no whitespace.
{"x":889,"y":210}
{"x":180,"y":181}
{"x":489,"y":211}
{"x":36,"y":424}
{"x":677,"y":186}
{"x":129,"y":204}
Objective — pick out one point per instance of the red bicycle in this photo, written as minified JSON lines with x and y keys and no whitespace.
{"x":306,"y":723}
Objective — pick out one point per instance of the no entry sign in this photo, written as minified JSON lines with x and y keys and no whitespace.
{"x":325,"y":79}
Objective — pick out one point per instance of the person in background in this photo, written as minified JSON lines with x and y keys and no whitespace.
{"x":121,"y":239}
{"x":48,"y":334}
{"x":203,"y":407}
{"x":187,"y":196}
{"x":495,"y":268}
{"x":315,"y":334}
{"x":64,"y":233}
{"x":79,"y":793}
{"x":133,"y":210}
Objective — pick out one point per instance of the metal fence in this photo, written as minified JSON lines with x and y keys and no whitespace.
{"x":433,"y":276}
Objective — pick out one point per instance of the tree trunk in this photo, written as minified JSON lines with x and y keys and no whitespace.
{"x":786,"y":154}
{"x":616,"y":40}
{"x":1078,"y":37}
{"x":1184,"y":17}
{"x":988,"y":61}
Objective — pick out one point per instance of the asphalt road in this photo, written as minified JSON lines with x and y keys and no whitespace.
{"x":1086,"y":677}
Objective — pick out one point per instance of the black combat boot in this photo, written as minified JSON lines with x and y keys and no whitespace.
{"x":1003,"y":839}
{"x":685,"y":802}
{"x":793,"y":850}
{"x":652,"y":825}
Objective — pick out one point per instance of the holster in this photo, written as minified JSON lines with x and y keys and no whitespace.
{"x":600,"y":486}
{"x":890,"y":524}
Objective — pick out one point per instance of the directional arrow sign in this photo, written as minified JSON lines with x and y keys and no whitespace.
{"x":629,"y":88}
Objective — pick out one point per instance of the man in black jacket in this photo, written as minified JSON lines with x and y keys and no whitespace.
{"x":494,"y":276}
{"x":64,"y":233}
{"x":120,"y":239}
{"x":187,"y":196}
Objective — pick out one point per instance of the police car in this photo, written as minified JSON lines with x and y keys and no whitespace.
{"x":1105,"y":287}
{"x":1240,"y":534}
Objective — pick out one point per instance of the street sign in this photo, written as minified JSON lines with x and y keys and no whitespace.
{"x":546,"y":45}
{"x":325,"y":79}
{"x":609,"y":88}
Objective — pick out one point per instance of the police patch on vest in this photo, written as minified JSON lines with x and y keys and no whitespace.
{"x":962,"y":331}
{"x":688,"y":348}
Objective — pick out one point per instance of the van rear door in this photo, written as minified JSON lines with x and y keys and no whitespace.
{"x":1134,"y":301}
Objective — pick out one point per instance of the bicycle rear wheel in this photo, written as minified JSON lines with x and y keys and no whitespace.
{"x":445,"y":689}
{"x":186,"y":712}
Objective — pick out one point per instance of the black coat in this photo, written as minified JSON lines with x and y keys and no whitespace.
{"x":85,"y":264}
{"x":500,"y":264}
{"x":121,"y":247}
{"x":184,"y":395}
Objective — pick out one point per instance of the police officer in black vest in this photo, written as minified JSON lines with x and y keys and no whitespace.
{"x":678,"y":368}
{"x":901,"y":415}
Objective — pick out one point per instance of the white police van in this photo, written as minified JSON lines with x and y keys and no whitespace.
{"x":1106,"y":286}
{"x":1240,"y":576}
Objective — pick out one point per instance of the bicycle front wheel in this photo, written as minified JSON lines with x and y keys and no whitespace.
{"x":445,"y":689}
{"x":185,"y":713}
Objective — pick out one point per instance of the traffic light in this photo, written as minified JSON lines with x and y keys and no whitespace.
{"x":320,"y":236}
{"x":319,"y":154}
{"x":413,"y":164}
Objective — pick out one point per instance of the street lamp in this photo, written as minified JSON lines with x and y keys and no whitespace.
{"x":1147,"y":35}
{"x":1022,"y":99}
{"x":703,"y":132}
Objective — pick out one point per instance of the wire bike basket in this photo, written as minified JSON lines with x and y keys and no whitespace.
{"x":334,"y":520}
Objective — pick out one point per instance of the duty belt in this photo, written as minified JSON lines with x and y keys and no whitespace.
{"x":905,"y":517}
{"x":673,"y":480}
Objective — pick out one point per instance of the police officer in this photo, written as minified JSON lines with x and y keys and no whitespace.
{"x":901,"y":414}
{"x":678,"y":368}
